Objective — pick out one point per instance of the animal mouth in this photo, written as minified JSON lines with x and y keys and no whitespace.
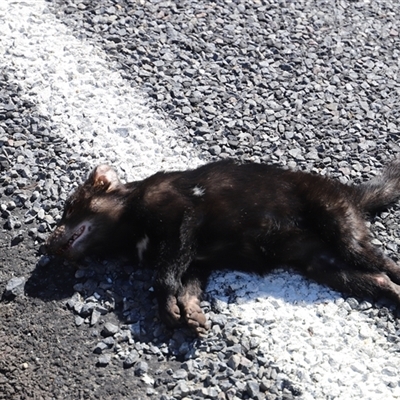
{"x":72,"y":240}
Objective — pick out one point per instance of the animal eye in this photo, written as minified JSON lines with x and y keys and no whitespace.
{"x":69,"y":209}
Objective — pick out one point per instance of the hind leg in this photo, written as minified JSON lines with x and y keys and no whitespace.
{"x":352,"y":263}
{"x":330,"y":270}
{"x":391,"y":269}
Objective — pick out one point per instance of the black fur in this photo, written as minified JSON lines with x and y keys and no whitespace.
{"x":252,"y":217}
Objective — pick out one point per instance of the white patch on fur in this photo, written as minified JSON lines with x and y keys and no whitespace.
{"x":141,"y":246}
{"x":198,"y":191}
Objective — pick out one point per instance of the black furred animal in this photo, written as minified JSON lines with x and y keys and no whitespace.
{"x":252,"y":217}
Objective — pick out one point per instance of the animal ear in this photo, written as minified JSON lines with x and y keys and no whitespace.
{"x":104,"y":178}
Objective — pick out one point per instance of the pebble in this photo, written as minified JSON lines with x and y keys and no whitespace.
{"x":180,"y":374}
{"x":234,"y":361}
{"x":100,"y":347}
{"x":109,"y":329}
{"x":181,"y":389}
{"x":15,"y":286}
{"x":141,"y":368}
{"x":79,"y":320}
{"x":104,"y":360}
{"x":253,"y":389}
{"x":95,"y":316}
{"x":17,"y":238}
{"x":131,"y":359}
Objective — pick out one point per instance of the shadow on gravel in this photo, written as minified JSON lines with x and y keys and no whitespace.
{"x":101,"y":291}
{"x":53,"y":281}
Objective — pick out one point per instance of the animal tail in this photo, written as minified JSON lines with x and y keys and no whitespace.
{"x":382,"y":190}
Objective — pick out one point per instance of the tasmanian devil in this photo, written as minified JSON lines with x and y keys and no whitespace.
{"x":252,"y":217}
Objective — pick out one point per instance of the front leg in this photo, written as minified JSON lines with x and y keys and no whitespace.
{"x":167,"y":287}
{"x":179,"y":302}
{"x":189,"y":301}
{"x":178,"y":286}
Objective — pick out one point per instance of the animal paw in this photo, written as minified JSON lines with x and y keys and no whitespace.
{"x":194,"y":316}
{"x":170,"y":312}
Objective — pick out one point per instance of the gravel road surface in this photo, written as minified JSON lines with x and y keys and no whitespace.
{"x":149,"y":85}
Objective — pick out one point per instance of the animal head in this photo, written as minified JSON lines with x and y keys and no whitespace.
{"x":90,"y":216}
